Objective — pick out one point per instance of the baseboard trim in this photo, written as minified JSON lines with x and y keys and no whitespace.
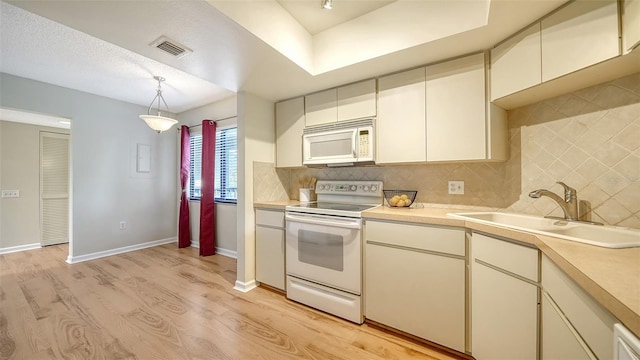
{"x":12,"y":249}
{"x":125,"y":249}
{"x":227,"y":253}
{"x":245,"y":286}
{"x":219,"y":251}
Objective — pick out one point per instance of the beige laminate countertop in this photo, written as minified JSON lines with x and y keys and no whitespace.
{"x":610,"y":276}
{"x":274,"y":205}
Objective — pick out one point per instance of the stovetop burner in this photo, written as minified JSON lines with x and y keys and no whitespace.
{"x":342,"y":198}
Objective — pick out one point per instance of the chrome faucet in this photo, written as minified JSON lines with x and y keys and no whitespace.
{"x":569,"y":204}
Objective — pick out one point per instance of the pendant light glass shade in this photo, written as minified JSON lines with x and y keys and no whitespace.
{"x":158,"y":122}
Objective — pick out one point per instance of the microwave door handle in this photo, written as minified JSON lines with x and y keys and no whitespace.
{"x":354,"y":144}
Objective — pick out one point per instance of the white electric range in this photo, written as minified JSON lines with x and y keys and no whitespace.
{"x":324,"y":247}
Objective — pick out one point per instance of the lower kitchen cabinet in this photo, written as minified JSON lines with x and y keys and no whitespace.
{"x":574,"y":326}
{"x":504,"y":299}
{"x":270,"y":237}
{"x":415,"y":280}
{"x":559,"y":340}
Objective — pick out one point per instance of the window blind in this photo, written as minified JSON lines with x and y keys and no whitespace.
{"x":226,"y":181}
{"x":195,"y":167}
{"x":227,"y":164}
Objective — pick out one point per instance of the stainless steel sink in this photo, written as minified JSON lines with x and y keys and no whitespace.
{"x":604,"y":236}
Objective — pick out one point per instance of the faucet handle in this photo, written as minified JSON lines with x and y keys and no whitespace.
{"x":569,"y":192}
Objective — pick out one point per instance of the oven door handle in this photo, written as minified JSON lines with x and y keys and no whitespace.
{"x":321,"y":220}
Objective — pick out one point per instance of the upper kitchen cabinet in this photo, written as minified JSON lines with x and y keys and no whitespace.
{"x":578,"y":35}
{"x":321,"y":107}
{"x":357,"y":100}
{"x":516,"y":63}
{"x":347,"y":102}
{"x":630,"y":24}
{"x":460,"y":125}
{"x":578,"y":46}
{"x":401,"y":126}
{"x":289,"y":127}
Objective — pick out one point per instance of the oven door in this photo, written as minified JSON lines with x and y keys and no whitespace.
{"x":325,"y":250}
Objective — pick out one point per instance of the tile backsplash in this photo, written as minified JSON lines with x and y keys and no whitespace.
{"x":589,"y":139}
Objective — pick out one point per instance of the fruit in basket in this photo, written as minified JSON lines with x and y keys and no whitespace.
{"x":394,"y":200}
{"x":401,"y":200}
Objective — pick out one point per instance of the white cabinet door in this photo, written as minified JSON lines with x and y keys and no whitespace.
{"x":321,"y":107}
{"x":503,"y":316}
{"x":270,"y":256}
{"x":630,"y":24}
{"x":579,"y":35}
{"x":289,"y":126}
{"x":357,"y":100}
{"x":401,"y":126}
{"x":516,"y":64}
{"x":415,"y":280}
{"x":456,"y":110}
{"x":419,"y":293}
{"x":587,"y":317}
{"x":559,"y":340}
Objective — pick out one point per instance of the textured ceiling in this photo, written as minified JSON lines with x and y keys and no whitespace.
{"x":102,"y":47}
{"x":43,"y":50}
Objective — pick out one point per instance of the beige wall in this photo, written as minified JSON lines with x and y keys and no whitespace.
{"x":226,"y":232}
{"x":256,"y":142}
{"x":20,"y":162}
{"x":106,"y":188}
{"x":589,"y":139}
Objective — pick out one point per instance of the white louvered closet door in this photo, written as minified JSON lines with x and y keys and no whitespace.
{"x":54,"y":188}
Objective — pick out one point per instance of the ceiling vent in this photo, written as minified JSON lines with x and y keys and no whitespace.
{"x":171,"y":47}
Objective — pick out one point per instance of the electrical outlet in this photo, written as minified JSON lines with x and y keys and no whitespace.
{"x":10,"y":193}
{"x":456,"y":187}
{"x":123,"y":225}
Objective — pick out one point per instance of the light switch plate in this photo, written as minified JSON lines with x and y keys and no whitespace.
{"x":10,"y":193}
{"x":456,"y":187}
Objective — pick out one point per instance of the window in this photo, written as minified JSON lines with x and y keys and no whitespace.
{"x":226,"y":182}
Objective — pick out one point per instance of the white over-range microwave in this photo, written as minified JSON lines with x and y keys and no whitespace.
{"x":342,"y":143}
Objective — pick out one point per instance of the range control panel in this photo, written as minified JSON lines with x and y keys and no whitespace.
{"x":369,"y":188}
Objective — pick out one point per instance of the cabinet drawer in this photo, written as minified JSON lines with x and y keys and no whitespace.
{"x":270,"y":218}
{"x":518,"y":259}
{"x":593,"y":323}
{"x":431,"y":238}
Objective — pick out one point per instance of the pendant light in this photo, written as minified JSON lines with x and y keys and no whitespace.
{"x":158,"y":122}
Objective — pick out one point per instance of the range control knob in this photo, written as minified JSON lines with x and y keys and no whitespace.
{"x":366,"y":188}
{"x":320,"y":187}
{"x":353,"y":188}
{"x":374,"y":188}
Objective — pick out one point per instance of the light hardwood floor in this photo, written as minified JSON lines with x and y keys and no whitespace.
{"x":167,"y":303}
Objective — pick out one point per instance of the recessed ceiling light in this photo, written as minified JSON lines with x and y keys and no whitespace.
{"x":327,"y":4}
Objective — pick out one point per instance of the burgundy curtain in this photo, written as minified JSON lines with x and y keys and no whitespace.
{"x":184,"y":231}
{"x":207,"y":198}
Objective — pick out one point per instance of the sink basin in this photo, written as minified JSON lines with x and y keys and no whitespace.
{"x":604,"y":236}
